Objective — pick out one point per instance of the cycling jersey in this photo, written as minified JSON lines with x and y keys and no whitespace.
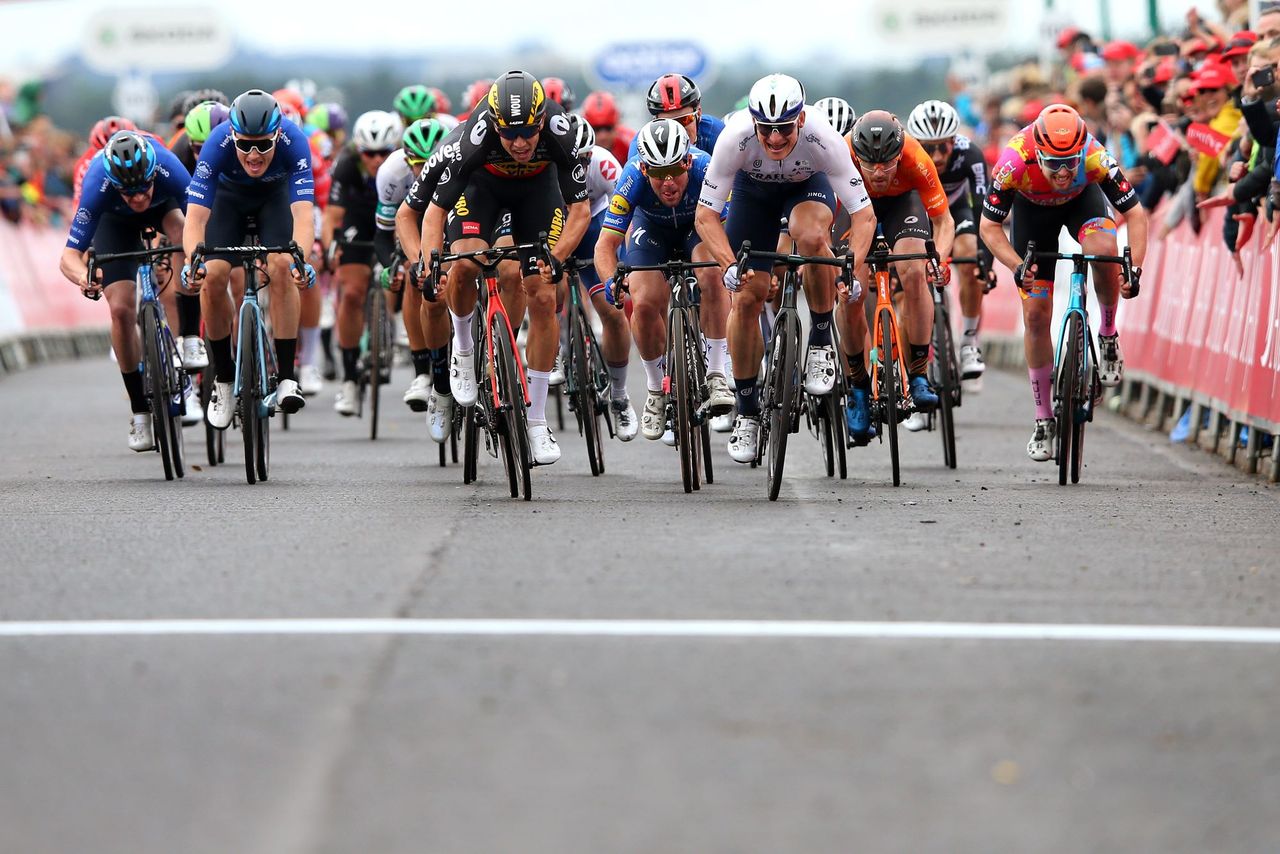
{"x":395,"y":177}
{"x":100,"y":197}
{"x":353,"y":187}
{"x":183,"y":151}
{"x":634,"y":193}
{"x":481,"y":150}
{"x":818,"y":150}
{"x":709,"y":130}
{"x":220,"y":167}
{"x":1018,"y":174}
{"x":965,"y":176}
{"x":915,"y":172}
{"x":321,"y":165}
{"x":602,"y":177}
{"x":447,"y":153}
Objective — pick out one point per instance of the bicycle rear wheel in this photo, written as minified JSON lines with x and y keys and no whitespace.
{"x":1066,"y":390}
{"x":211,"y":436}
{"x":470,"y":444}
{"x":154,"y":378}
{"x":514,"y":413}
{"x":783,"y":369}
{"x":945,"y":377}
{"x":379,"y":343}
{"x":584,"y":390}
{"x":174,"y":399}
{"x":247,"y":405}
{"x":890,"y":387}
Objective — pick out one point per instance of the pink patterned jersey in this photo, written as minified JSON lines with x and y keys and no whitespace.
{"x":1017,"y":173}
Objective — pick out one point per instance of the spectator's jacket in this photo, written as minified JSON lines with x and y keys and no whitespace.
{"x":1227,"y":122}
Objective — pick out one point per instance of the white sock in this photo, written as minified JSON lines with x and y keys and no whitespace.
{"x":969,"y":338}
{"x":654,"y":373}
{"x":717,"y":350}
{"x":618,"y":382}
{"x":462,"y":340}
{"x":310,"y":345}
{"x":538,"y":382}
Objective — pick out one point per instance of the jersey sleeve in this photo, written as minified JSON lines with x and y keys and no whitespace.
{"x":571,"y":172}
{"x":842,"y":172}
{"x":344,"y":174}
{"x":302,"y":185}
{"x":474,"y":141}
{"x":172,"y":177}
{"x":726,"y":159}
{"x":625,"y":194}
{"x":84,"y":224}
{"x":975,"y":165}
{"x":924,"y":177}
{"x":447,"y":152}
{"x":998,"y":201}
{"x":389,"y":181}
{"x":1107,"y":174}
{"x":213,"y":158}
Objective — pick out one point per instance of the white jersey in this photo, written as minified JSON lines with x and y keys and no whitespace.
{"x":602,"y":177}
{"x":449,"y":122}
{"x":818,"y":150}
{"x":394,"y":180}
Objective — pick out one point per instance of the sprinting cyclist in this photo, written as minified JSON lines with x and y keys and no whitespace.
{"x":1052,"y":174}
{"x":676,"y":96}
{"x":778,"y":163}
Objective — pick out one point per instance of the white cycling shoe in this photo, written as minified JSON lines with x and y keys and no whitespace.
{"x":625,"y":423}
{"x":719,"y":399}
{"x":439,"y":416}
{"x":418,"y":397}
{"x":192,"y":414}
{"x":140,"y":435}
{"x":971,"y":364}
{"x":542,"y":445}
{"x":462,"y":378}
{"x":915,"y":422}
{"x":557,"y":372}
{"x":654,"y":420}
{"x":722,"y":423}
{"x":745,"y":439}
{"x":310,"y":381}
{"x":1110,"y":360}
{"x":1043,"y":438}
{"x":289,"y":398}
{"x":222,"y":406}
{"x":194,"y":355}
{"x":347,"y":401}
{"x":820,"y":370}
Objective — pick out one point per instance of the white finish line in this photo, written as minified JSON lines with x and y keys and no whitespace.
{"x":742,"y":629}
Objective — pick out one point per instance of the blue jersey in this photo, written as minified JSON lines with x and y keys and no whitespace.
{"x":634,"y":193}
{"x":220,"y":167}
{"x":98,"y":196}
{"x":709,"y":130}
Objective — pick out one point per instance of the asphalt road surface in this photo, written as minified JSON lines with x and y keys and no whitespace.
{"x":810,"y":730}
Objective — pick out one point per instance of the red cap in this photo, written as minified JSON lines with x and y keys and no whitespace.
{"x":1067,"y":36}
{"x":1031,"y":110}
{"x":1166,"y":70}
{"x":1120,"y":51}
{"x":1214,"y":75}
{"x":1240,"y":44}
{"x":1196,"y":45}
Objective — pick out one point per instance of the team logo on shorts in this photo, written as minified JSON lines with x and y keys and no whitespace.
{"x":911,"y":220}
{"x":203,"y":171}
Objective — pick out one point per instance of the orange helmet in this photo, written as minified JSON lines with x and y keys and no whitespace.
{"x":1059,"y":131}
{"x":290,"y":100}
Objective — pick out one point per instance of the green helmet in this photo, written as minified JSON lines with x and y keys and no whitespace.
{"x":202,"y":119}
{"x":421,"y":139}
{"x":414,"y":102}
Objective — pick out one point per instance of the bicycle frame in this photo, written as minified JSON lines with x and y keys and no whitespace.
{"x":880,"y":260}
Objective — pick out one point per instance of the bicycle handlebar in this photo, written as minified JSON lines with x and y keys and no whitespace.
{"x":95,"y":260}
{"x":789,"y":260}
{"x":247,"y":253}
{"x":487,"y":259}
{"x":1080,"y":259}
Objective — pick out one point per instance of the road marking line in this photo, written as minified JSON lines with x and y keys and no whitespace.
{"x":745,"y":629}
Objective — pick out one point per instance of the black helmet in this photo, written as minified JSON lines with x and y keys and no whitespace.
{"x":255,"y":113}
{"x":516,"y":100}
{"x":878,"y":137}
{"x":130,"y":160}
{"x":178,"y":106}
{"x":673,"y":92}
{"x":201,"y":95}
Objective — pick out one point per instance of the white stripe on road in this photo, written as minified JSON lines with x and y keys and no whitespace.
{"x":745,"y":629}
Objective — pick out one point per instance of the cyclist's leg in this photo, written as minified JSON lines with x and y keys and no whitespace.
{"x":809,"y":221}
{"x":1093,"y":223}
{"x":467,"y":229}
{"x":120,"y":234}
{"x":1040,"y":224}
{"x":754,"y":215}
{"x":971,"y":287}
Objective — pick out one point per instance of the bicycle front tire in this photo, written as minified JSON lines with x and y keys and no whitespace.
{"x":944,"y":363}
{"x":514,"y":411}
{"x":584,"y":391}
{"x":784,"y":366}
{"x":890,"y":390}
{"x":154,"y":375}
{"x":1066,"y":390}
{"x":247,"y":404}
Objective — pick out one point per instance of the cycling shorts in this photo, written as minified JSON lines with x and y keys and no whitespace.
{"x":902,"y":217}
{"x":123,"y":233}
{"x":357,"y":224}
{"x":235,"y":206}
{"x":533,"y":202}
{"x":962,"y":213}
{"x":651,"y":242}
{"x":758,"y":209}
{"x":1086,"y":214}
{"x":586,"y":253}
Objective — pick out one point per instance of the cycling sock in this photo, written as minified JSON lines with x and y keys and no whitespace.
{"x":421,"y":362}
{"x":1108,"y":325}
{"x":538,"y":382}
{"x":717,"y":351}
{"x":858,"y":368}
{"x":440,"y":370}
{"x":224,"y":364}
{"x":766,"y":321}
{"x":653,"y":373}
{"x":969,"y":337}
{"x":309,"y":340}
{"x":462,"y":340}
{"x":286,"y":352}
{"x":350,"y":364}
{"x":133,"y":385}
{"x":918,"y":364}
{"x":618,"y":381}
{"x":1042,"y":390}
{"x":326,"y":340}
{"x":188,"y":315}
{"x":820,"y":330}
{"x":748,"y":397}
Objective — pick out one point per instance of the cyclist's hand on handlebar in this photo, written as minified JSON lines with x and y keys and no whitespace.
{"x":942,"y":274}
{"x":849,"y":291}
{"x":553,"y":272}
{"x":1025,"y":274}
{"x":734,"y":280}
{"x":303,"y":278}
{"x":615,"y":291}
{"x":193,"y":278}
{"x":1131,"y":281}
{"x":90,"y":290}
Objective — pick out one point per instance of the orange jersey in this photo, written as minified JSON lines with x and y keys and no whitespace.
{"x":915,"y":172}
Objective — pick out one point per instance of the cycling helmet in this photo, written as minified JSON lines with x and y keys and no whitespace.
{"x":178,"y":106}
{"x":600,"y":110}
{"x":377,"y":130}
{"x":201,"y":95}
{"x":1059,"y":131}
{"x":443,"y":104}
{"x":107,"y":128}
{"x":203,"y":118}
{"x":662,"y":142}
{"x":414,"y":102}
{"x":130,"y":160}
{"x":290,"y":100}
{"x":306,"y":89}
{"x":838,"y":113}
{"x":328,"y":117}
{"x":476,"y":93}
{"x":878,"y":137}
{"x":516,"y":100}
{"x":673,"y":92}
{"x":557,"y":90}
{"x":255,"y":113}
{"x":775,"y":99}
{"x":421,"y":139}
{"x":933,"y":120}
{"x":584,"y":136}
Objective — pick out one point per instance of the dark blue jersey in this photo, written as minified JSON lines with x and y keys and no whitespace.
{"x":219,"y":166}
{"x":634,"y":193}
{"x":98,"y":196}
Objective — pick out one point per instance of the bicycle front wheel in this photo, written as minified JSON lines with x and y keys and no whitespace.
{"x":155,"y":380}
{"x":945,"y":379}
{"x":514,"y":413}
{"x":890,"y":387}
{"x":679,"y":366}
{"x":783,"y":374}
{"x":379,"y":344}
{"x":1066,"y":391}
{"x":584,"y":390}
{"x":247,"y":404}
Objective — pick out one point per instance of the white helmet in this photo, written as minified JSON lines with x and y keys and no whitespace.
{"x":584,"y":135}
{"x":377,"y":130}
{"x":663,"y":142}
{"x":775,"y":99}
{"x":933,"y":120}
{"x":839,"y":113}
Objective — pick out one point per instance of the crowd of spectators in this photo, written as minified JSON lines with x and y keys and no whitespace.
{"x":36,"y":159}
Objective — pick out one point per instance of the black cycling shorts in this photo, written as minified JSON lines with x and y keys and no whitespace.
{"x":533,"y":203}
{"x":234,"y":206}
{"x":357,"y":224}
{"x":1086,"y":214}
{"x":123,"y":233}
{"x":758,"y":208}
{"x":902,"y":217}
{"x":962,"y":213}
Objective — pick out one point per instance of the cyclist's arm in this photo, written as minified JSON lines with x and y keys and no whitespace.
{"x":711,"y":229}
{"x":1137,"y":222}
{"x":384,"y":246}
{"x":726,"y":161}
{"x":944,"y":233}
{"x":575,"y":227}
{"x":1124,"y":198}
{"x":409,"y":231}
{"x":862,"y":229}
{"x":72,"y":265}
{"x":304,"y":223}
{"x":606,"y":255}
{"x":193,"y":228}
{"x":329,"y":223}
{"x":432,"y":229}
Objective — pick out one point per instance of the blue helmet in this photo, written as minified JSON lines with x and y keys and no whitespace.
{"x":255,"y":113}
{"x":130,"y":160}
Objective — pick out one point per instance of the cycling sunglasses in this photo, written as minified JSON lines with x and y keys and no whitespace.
{"x":783,"y":129}
{"x":381,"y":152}
{"x":528,"y":132}
{"x":1057,"y":164}
{"x":662,"y":173}
{"x":248,"y":146}
{"x":936,"y":147}
{"x":138,"y":190}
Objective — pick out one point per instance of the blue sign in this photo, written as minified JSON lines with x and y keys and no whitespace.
{"x":634,"y":65}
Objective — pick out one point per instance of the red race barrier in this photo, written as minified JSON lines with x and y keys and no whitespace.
{"x":39,"y":294}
